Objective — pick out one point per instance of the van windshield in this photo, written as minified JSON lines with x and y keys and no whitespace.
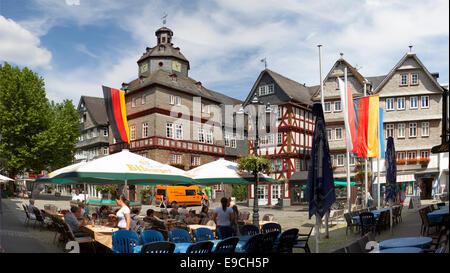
{"x":160,"y":192}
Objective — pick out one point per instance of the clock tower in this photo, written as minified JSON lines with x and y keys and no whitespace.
{"x":163,"y":56}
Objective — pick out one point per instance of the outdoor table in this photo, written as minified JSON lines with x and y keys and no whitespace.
{"x":443,"y":207}
{"x":261,"y":223}
{"x":101,"y":234}
{"x":420,"y":242}
{"x":399,"y":250}
{"x":54,"y":213}
{"x":437,"y":215}
{"x":376,"y":214}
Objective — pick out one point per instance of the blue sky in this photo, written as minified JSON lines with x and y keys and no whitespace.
{"x":78,"y":45}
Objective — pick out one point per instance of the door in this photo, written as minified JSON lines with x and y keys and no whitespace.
{"x":263,"y":194}
{"x":276,"y":193}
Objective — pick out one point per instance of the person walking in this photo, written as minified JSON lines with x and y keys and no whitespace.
{"x":224,"y":216}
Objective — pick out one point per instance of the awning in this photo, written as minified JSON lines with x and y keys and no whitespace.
{"x":400,"y":178}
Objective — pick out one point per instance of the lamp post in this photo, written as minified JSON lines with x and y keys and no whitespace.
{"x":268,"y":110}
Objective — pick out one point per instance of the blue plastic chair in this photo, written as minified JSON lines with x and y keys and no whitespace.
{"x":203,"y":234}
{"x":269,"y":239}
{"x":124,"y":241}
{"x":255,"y":244}
{"x":227,"y":245}
{"x":269,"y":227}
{"x":200,"y":248}
{"x":287,"y":241}
{"x":249,"y":230}
{"x":150,"y":236}
{"x":159,"y":248}
{"x":224,"y":232}
{"x":367,"y":222}
{"x":179,"y":236}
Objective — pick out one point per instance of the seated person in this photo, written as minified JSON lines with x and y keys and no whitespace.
{"x":71,"y":219}
{"x":192,"y":219}
{"x":174,"y":211}
{"x":153,"y":220}
{"x":136,"y":221}
{"x":204,"y":215}
{"x":103,"y":212}
{"x":31,"y":209}
{"x":183,"y":211}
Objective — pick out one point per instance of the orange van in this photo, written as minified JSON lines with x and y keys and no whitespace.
{"x":189,"y":195}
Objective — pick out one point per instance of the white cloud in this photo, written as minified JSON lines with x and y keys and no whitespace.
{"x":20,"y":46}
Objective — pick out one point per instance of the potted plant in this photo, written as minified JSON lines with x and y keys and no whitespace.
{"x":333,"y":167}
{"x":401,"y":161}
{"x":424,"y":161}
{"x":146,"y":196}
{"x":412,"y":161}
{"x":107,"y":191}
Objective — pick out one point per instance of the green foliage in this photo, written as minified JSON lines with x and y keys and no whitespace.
{"x":147,"y":194}
{"x":240,"y":192}
{"x":254,"y":164}
{"x":36,"y":134}
{"x":106,"y":188}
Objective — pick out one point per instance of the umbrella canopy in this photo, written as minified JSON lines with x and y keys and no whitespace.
{"x":4,"y":178}
{"x":126,"y":167}
{"x":49,"y":178}
{"x":223,"y":171}
{"x":391,"y":170}
{"x":320,"y":192}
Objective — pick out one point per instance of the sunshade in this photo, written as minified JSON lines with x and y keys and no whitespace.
{"x":4,"y":178}
{"x":391,"y":176}
{"x":224,"y":171}
{"x":49,"y":178}
{"x":126,"y":167}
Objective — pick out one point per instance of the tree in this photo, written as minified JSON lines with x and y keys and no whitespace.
{"x":36,"y":134}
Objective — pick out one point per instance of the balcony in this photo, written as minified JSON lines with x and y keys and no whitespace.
{"x":156,"y":142}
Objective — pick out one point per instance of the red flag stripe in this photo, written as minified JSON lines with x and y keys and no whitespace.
{"x":118,"y":114}
{"x":363,"y":126}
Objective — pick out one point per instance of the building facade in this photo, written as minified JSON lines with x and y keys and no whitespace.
{"x":289,"y":144}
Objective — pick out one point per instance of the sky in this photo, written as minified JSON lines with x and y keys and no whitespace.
{"x":79,"y":45}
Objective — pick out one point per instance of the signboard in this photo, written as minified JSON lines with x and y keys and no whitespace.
{"x":414,"y":202}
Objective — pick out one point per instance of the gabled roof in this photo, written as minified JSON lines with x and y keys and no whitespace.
{"x":96,"y":108}
{"x":376,"y":81}
{"x":296,"y":91}
{"x":182,"y":83}
{"x":407,"y":55}
{"x":354,"y":71}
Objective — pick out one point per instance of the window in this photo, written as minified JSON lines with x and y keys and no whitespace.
{"x":415,"y":79}
{"x":178,"y":131}
{"x":270,"y":89}
{"x":145,"y":129}
{"x":133,"y":102}
{"x":195,"y":160}
{"x":262,"y":90}
{"x":424,"y":154}
{"x":352,"y":160}
{"x":404,"y":79}
{"x":178,"y":99}
{"x":329,"y":134}
{"x":389,"y":104}
{"x":270,"y":139}
{"x":169,"y":130}
{"x":209,"y":137}
{"x":143,"y":99}
{"x":172,"y":100}
{"x":201,"y":135}
{"x":389,"y":130}
{"x":401,"y":155}
{"x":227,"y":140}
{"x":337,"y":106}
{"x":327,"y":107}
{"x":400,"y":103}
{"x":105,"y":150}
{"x":413,"y":103}
{"x":424,"y":102}
{"x":412,"y":129}
{"x":105,"y":132}
{"x":176,"y":159}
{"x":337,"y":83}
{"x":233,"y":142}
{"x":411,"y":155}
{"x":340,"y":160}
{"x":133,"y":132}
{"x":401,"y":130}
{"x":280,"y":111}
{"x":338,"y":133}
{"x":279,"y":138}
{"x":425,"y":129}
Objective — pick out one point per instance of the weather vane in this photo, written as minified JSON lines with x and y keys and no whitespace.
{"x":164,"y":19}
{"x":265,"y":62}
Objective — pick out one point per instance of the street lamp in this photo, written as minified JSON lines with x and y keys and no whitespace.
{"x":267,"y":111}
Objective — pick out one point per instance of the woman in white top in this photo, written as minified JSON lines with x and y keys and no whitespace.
{"x":224,"y":216}
{"x":123,"y":215}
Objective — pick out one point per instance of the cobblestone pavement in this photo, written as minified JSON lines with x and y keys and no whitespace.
{"x":288,"y":217}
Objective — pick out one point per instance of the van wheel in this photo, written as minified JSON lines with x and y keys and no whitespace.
{"x":173,"y":204}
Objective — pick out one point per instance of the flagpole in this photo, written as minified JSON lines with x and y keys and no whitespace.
{"x":346,"y":136}
{"x":366,"y":190}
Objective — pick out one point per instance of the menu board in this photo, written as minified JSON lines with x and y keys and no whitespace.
{"x":414,"y":202}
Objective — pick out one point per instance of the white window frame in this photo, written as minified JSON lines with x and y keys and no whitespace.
{"x":227,"y":140}
{"x":105,"y":132}
{"x":133,"y":102}
{"x":390,"y":102}
{"x":209,"y":137}
{"x":390,"y":128}
{"x":330,"y":134}
{"x":427,"y":126}
{"x":401,"y":127}
{"x":401,"y":80}
{"x":262,"y":90}
{"x":132,"y":132}
{"x":178,"y":131}
{"x":411,"y":99}
{"x":169,"y":130}
{"x":327,"y":105}
{"x":279,"y":138}
{"x":195,"y":160}
{"x":412,"y":127}
{"x":105,"y":150}
{"x":424,"y":152}
{"x":143,"y":99}
{"x":340,"y":156}
{"x":340,"y":106}
{"x":172,"y":100}
{"x":411,"y":154}
{"x":412,"y":79}
{"x":178,"y":100}
{"x":201,"y":135}
{"x":233,"y":142}
{"x":427,"y":100}
{"x":144,"y":129}
{"x":279,"y":112}
{"x":336,"y":134}
{"x":398,"y":102}
{"x":401,"y":155}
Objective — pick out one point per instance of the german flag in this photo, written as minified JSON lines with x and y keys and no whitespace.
{"x":115,"y":109}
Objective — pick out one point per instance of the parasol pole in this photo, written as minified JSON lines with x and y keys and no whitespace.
{"x":378,"y":183}
{"x":317,"y":232}
{"x":347,"y":153}
{"x":366,"y":186}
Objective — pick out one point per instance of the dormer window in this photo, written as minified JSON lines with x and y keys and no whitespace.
{"x":162,"y":48}
{"x":173,"y":77}
{"x":404,"y":80}
{"x":199,"y":85}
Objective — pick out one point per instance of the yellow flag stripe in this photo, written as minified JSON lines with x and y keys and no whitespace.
{"x":372,"y":130}
{"x":124,"y":114}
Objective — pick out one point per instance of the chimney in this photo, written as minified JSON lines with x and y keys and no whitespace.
{"x":141,"y":78}
{"x":199,"y":85}
{"x":147,"y":49}
{"x":125,"y":86}
{"x":435,"y":75}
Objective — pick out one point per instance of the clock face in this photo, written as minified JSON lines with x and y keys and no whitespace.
{"x":176,"y":66}
{"x":144,"y":67}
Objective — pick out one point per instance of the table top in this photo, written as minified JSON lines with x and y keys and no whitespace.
{"x":399,"y":250}
{"x":441,"y":211}
{"x":54,"y":213}
{"x":420,"y":242}
{"x":192,"y":227}
{"x":102,"y":229}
